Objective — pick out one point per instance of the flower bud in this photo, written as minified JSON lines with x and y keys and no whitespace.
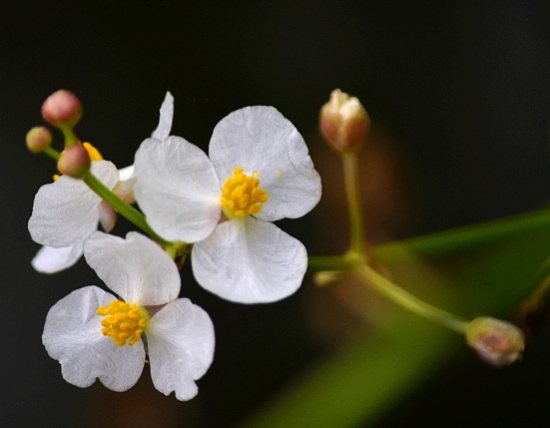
{"x":344,"y":122}
{"x":62,"y":109}
{"x":74,"y":161}
{"x":496,"y":342}
{"x":38,"y":139}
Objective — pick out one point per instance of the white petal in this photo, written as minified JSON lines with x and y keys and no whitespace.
{"x":181,"y":341}
{"x":165,"y":120}
{"x":177,"y":189}
{"x":72,"y":335}
{"x":65,"y":212}
{"x":261,"y":139}
{"x":126,"y":173}
{"x":137,"y":269}
{"x":249,"y":261}
{"x":53,"y":260}
{"x":124,"y":188}
{"x":107,"y":216}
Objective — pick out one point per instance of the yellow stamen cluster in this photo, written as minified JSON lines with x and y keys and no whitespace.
{"x":124,"y":322}
{"x":241,"y":194}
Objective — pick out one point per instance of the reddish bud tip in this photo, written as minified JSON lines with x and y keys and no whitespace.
{"x":344,"y":122}
{"x":62,"y":109}
{"x":496,"y":342}
{"x":74,"y":161}
{"x":38,"y":139}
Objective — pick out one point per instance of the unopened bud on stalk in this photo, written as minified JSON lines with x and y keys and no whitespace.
{"x":496,"y":342}
{"x":62,"y":109}
{"x":344,"y":122}
{"x":38,"y":139}
{"x":74,"y":161}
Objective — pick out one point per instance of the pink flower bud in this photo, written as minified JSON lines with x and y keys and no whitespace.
{"x":344,"y":122}
{"x":38,"y":139}
{"x":496,"y":342}
{"x":62,"y":109}
{"x":74,"y":161}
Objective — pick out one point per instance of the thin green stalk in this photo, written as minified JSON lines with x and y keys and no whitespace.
{"x":70,"y":137}
{"x":330,"y":263}
{"x":54,"y":154}
{"x":124,"y":209}
{"x":357,"y":232}
{"x":460,"y":238}
{"x":408,"y":301}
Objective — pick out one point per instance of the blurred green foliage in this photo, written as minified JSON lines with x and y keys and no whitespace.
{"x":485,"y":269}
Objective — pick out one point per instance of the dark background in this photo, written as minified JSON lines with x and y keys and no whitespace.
{"x":463,"y":91}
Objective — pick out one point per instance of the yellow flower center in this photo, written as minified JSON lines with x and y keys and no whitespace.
{"x":124,"y":322}
{"x":92,"y":151}
{"x":241,"y":194}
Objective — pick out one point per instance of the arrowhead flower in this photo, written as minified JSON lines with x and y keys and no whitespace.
{"x":259,"y":171}
{"x":94,"y":334}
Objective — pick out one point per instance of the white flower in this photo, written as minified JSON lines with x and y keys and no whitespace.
{"x":67,"y":211}
{"x":259,"y":171}
{"x":95,"y":335}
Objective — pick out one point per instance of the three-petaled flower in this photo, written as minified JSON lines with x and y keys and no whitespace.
{"x":259,"y":171}
{"x":95,"y":335}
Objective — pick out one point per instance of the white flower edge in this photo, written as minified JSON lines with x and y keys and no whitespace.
{"x":53,"y":260}
{"x":249,"y":261}
{"x":165,"y":118}
{"x":262,"y":140}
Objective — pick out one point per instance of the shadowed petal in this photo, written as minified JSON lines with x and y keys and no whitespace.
{"x":53,"y":260}
{"x":249,"y":261}
{"x":177,"y":189}
{"x":135,"y":268}
{"x":181,"y":347}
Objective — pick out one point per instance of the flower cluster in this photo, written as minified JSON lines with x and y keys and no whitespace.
{"x":219,"y":208}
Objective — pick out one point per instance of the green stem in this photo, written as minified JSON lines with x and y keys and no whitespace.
{"x":126,"y":210}
{"x":54,"y":154}
{"x":123,"y":208}
{"x":331,"y":263}
{"x":357,"y":233}
{"x":460,"y":238}
{"x":408,"y":301}
{"x":70,"y":137}
{"x":371,"y":278}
